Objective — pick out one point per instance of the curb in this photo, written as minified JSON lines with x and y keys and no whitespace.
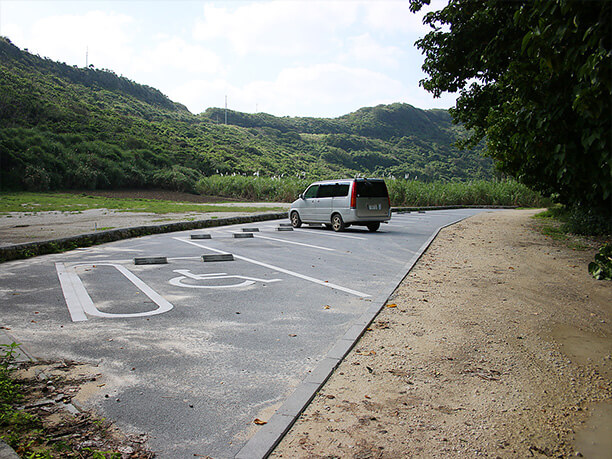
{"x":33,"y":249}
{"x":270,"y":435}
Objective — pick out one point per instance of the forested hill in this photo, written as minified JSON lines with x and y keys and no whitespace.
{"x":65,"y":127}
{"x":384,"y":122}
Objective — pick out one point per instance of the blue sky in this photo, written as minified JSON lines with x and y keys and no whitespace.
{"x":286,"y":58}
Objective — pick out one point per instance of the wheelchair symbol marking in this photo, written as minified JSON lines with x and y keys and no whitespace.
{"x":185,"y":273}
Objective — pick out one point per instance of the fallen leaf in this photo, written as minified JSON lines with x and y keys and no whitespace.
{"x":292,"y":335}
{"x":392,"y":305}
{"x":259,"y":422}
{"x":365,"y":352}
{"x":326,"y":307}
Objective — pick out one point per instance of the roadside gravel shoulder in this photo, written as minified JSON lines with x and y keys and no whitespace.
{"x":25,"y":227}
{"x":497,"y":344}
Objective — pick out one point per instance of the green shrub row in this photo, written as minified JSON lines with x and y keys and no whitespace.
{"x":403,"y":193}
{"x":252,"y":188}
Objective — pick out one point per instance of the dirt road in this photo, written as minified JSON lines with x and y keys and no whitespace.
{"x":497,"y":344}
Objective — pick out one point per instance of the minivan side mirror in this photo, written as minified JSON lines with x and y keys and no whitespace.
{"x":301,"y":196}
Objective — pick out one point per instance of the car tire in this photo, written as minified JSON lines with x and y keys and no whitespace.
{"x":328,"y":226}
{"x":337,"y":223}
{"x":296,"y":221}
{"x":373,"y":226}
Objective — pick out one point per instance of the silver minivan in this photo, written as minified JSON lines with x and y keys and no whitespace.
{"x":339,"y":204}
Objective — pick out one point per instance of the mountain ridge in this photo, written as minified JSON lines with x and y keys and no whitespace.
{"x":64,"y":127}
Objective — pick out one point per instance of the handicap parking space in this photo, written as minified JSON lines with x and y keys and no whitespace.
{"x":218,"y":330}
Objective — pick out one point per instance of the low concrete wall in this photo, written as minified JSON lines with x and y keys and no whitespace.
{"x":32,"y":249}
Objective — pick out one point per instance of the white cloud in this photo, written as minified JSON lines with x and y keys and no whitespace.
{"x":280,"y":27}
{"x":319,"y":90}
{"x":365,"y":49}
{"x":107,"y":35}
{"x":199,"y":94}
{"x":14,"y":33}
{"x":175,"y":54}
{"x":394,"y":16}
{"x":298,"y":58}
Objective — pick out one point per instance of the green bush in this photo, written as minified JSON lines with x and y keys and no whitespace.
{"x":411,"y":193}
{"x":601,"y":268}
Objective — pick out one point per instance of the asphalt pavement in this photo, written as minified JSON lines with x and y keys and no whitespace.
{"x":195,"y":349}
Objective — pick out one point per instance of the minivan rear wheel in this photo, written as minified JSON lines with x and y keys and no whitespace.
{"x":373,"y":226}
{"x":296,"y":221}
{"x":337,"y":222}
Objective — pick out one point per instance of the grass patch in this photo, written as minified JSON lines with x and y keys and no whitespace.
{"x":561,"y":224}
{"x":577,"y":221}
{"x":64,"y":202}
{"x":36,"y":427}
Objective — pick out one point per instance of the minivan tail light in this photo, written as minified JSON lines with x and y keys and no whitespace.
{"x":354,"y":196}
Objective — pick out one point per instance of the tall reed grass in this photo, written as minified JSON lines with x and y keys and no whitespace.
{"x":403,"y":193}
{"x":252,"y":188}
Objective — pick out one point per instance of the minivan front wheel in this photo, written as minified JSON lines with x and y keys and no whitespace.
{"x":296,"y":221}
{"x":373,"y":226}
{"x":337,"y":222}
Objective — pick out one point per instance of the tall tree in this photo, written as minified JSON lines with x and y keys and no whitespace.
{"x":534,"y":80}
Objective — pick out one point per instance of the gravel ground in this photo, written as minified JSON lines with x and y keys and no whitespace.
{"x":497,"y":344}
{"x":21,"y":227}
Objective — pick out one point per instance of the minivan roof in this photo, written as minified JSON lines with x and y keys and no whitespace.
{"x":348,"y":180}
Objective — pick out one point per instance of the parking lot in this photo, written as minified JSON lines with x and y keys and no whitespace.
{"x":221,"y":333}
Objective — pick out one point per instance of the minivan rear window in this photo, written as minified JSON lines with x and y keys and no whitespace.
{"x":372,"y":189}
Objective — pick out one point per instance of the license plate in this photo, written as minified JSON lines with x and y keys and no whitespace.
{"x":374,"y":207}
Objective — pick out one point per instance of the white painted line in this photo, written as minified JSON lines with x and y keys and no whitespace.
{"x":293,"y":242}
{"x":282,"y":270}
{"x":322,"y":232}
{"x":80,"y":304}
{"x":74,"y":292}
